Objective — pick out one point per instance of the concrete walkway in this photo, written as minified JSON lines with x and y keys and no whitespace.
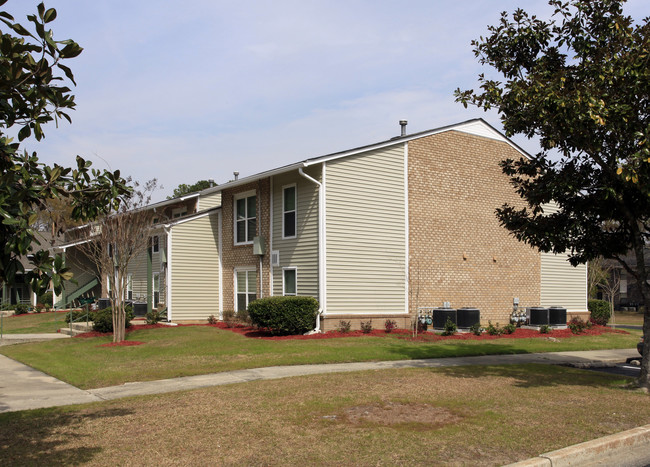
{"x":24,"y":388}
{"x":10,"y":339}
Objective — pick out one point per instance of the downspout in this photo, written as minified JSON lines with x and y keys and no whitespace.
{"x":321,"y":246}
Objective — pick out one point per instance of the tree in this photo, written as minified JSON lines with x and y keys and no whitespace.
{"x":113,"y":241}
{"x":184,"y":189}
{"x":597,"y":273}
{"x":31,"y":95}
{"x":581,"y":83}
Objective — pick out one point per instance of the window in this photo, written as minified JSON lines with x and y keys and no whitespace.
{"x":108,"y":285}
{"x":178,"y":212}
{"x":156,"y":288}
{"x":129,"y":287}
{"x":289,"y":281}
{"x":155,"y":245}
{"x":246,"y":287}
{"x":245,"y":219}
{"x":289,"y":212}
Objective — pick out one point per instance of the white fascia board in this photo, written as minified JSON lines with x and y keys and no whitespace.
{"x":197,"y":216}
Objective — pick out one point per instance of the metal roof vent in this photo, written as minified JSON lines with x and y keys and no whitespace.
{"x":236,"y":174}
{"x":403,"y":124}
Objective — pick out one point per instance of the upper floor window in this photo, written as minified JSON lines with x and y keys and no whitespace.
{"x":245,"y":218}
{"x":289,"y":211}
{"x":178,"y":212}
{"x":155,"y":245}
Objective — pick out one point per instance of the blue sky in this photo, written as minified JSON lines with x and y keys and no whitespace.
{"x":183,"y":91}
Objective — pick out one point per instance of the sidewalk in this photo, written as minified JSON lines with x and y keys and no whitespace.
{"x":25,"y":388}
{"x":9,"y":339}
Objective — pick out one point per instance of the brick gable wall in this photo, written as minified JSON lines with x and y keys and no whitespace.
{"x":458,"y":252}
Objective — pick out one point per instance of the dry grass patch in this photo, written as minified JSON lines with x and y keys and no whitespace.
{"x":627,"y":317}
{"x":445,"y":416}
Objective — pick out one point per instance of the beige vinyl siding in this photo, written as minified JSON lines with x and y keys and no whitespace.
{"x":208,"y":201}
{"x":138,"y":269}
{"x":195,"y":268}
{"x":365,"y":219}
{"x":300,"y":252}
{"x":562,"y":284}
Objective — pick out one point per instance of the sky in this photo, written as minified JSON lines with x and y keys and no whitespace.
{"x":198,"y":89}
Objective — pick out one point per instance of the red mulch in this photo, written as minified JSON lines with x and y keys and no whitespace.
{"x":252,"y":332}
{"x":121,"y":344}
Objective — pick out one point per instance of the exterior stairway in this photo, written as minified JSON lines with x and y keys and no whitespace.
{"x":77,"y":328}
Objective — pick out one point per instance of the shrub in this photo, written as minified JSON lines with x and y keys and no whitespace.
{"x":600,"y":311}
{"x":229,"y":318}
{"x":493,"y":330}
{"x":46,"y":299}
{"x":152,"y":317}
{"x":577,"y":325}
{"x":212,"y":319}
{"x":21,"y":309}
{"x":545,"y":329}
{"x":39,"y":307}
{"x":509,"y":328}
{"x":450,"y":328}
{"x":344,"y":326}
{"x":389,"y":325}
{"x":284,"y":315}
{"x":243,"y":317}
{"x":103,"y":319}
{"x":78,"y":316}
{"x":366,"y":326}
{"x":476,"y":329}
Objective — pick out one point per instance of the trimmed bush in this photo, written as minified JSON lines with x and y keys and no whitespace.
{"x":284,"y":315}
{"x":389,"y":325}
{"x":103,"y":319}
{"x":229,"y":318}
{"x":21,"y":309}
{"x":450,"y":328}
{"x":152,"y":317}
{"x":344,"y":326}
{"x":366,"y":327}
{"x":46,"y":299}
{"x":600,"y":311}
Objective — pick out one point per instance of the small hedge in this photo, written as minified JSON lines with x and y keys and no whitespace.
{"x":284,"y":315}
{"x":600,"y":311}
{"x":103,"y":319}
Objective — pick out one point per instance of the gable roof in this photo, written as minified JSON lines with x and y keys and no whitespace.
{"x":476,"y":126}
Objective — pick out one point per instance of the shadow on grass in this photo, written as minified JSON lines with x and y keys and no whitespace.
{"x":535,"y":375}
{"x":454,"y":349}
{"x":49,"y":436}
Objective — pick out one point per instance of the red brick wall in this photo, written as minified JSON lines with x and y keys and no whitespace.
{"x":458,"y":252}
{"x":242,"y":255}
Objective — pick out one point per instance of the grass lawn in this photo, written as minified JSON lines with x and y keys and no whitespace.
{"x":461,"y":416}
{"x":33,"y":323}
{"x":193,"y":350}
{"x":628,"y":317}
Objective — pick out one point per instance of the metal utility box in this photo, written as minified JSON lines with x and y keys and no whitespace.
{"x":467,"y":317}
{"x":557,"y":316}
{"x":537,"y":316}
{"x":440,"y":316}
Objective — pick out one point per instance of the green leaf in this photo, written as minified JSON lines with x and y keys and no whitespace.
{"x":20,"y":30}
{"x":24,"y":132}
{"x":50,"y":15}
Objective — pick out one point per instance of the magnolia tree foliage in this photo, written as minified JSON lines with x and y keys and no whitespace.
{"x":184,"y":188}
{"x":33,"y":92}
{"x":580,"y":82}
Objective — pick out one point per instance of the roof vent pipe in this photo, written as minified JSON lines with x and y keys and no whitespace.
{"x":403,"y":124}
{"x":211,"y":182}
{"x":236,"y":174}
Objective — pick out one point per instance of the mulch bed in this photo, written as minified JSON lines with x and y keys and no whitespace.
{"x":256,"y":333}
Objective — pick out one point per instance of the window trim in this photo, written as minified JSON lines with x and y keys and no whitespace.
{"x":236,"y":271}
{"x":129,"y":286}
{"x":179,"y":212}
{"x":155,"y":244}
{"x":237,"y":197}
{"x":284,"y":282}
{"x":295,"y":211}
{"x":155,"y":288}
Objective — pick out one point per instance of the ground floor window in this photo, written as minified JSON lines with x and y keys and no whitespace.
{"x":245,"y":287}
{"x":156,"y":288}
{"x":129,"y":287}
{"x":289,"y":281}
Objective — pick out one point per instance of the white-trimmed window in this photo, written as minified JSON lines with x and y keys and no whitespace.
{"x":245,"y":218}
{"x":289,"y":201}
{"x":245,"y":287}
{"x":289,"y":281}
{"x":156,"y":288}
{"x":129,"y":287}
{"x":155,"y":244}
{"x":178,"y":212}
{"x":108,"y":285}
